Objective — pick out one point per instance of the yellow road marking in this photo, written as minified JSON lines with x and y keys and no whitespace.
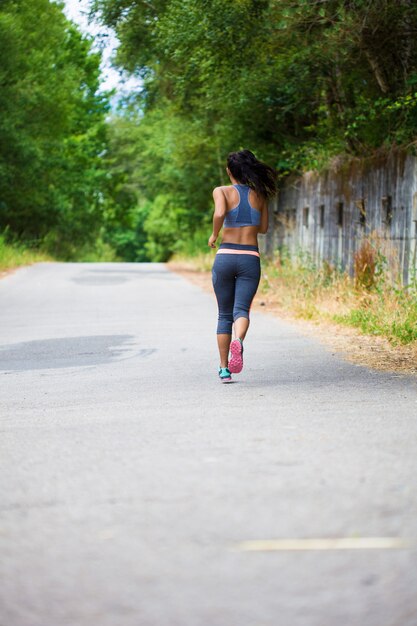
{"x":341,"y":543}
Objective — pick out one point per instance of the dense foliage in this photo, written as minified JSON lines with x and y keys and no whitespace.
{"x":297,"y":81}
{"x":52,"y":129}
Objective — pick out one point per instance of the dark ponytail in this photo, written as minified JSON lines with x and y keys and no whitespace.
{"x":247,"y":170}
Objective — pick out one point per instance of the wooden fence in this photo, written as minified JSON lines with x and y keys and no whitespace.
{"x":328,"y":215}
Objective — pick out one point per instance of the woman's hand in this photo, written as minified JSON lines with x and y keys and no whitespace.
{"x":212,"y":241}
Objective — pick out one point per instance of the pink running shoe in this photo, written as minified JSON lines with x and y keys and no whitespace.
{"x":236,"y":358}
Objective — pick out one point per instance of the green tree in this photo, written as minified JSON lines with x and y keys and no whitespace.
{"x":297,"y":81}
{"x":52,"y":127}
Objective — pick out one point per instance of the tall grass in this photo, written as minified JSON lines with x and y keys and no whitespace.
{"x":373,"y":300}
{"x":14,"y":254}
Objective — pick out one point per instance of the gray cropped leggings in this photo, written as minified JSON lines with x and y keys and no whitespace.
{"x":235,"y":278}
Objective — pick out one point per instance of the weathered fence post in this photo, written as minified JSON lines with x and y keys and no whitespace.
{"x":329,"y":214}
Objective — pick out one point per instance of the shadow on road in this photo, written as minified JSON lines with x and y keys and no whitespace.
{"x":68,"y":352}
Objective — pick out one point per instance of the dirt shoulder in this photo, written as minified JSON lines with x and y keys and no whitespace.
{"x":9,"y":270}
{"x":371,"y":351}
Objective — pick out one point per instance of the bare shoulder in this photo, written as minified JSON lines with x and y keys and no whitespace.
{"x":222,"y":190}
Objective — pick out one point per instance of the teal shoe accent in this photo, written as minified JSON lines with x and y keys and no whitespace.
{"x":224,"y":375}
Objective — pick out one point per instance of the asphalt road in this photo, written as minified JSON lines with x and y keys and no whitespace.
{"x":132,"y":480}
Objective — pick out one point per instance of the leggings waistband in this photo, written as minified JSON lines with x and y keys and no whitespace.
{"x":238,"y":247}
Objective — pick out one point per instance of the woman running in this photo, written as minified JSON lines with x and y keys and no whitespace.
{"x":242,"y":210}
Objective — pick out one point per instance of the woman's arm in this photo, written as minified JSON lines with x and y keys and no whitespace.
{"x":220,"y":209}
{"x":263,"y":227}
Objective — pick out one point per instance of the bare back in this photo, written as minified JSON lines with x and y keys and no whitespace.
{"x":247,"y":235}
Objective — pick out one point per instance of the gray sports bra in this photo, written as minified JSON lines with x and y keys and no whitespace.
{"x":244,"y":214}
